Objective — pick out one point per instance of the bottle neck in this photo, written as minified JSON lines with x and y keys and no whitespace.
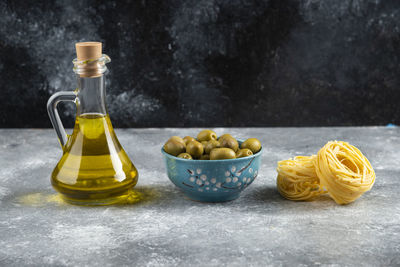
{"x":91,"y":94}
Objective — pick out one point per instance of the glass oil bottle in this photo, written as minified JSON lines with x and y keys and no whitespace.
{"x":94,"y":168}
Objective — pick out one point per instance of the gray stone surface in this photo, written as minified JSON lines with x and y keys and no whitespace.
{"x":164,"y":228}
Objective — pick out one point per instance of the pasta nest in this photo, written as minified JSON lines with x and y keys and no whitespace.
{"x":344,"y":171}
{"x":297,"y":179}
{"x":339,"y":169}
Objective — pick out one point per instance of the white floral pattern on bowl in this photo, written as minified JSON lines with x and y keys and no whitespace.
{"x":232,"y":180}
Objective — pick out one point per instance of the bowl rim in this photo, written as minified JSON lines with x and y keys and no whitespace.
{"x":216,"y":160}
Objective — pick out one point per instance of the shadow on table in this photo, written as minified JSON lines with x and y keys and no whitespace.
{"x":168,"y":195}
{"x":270,"y":197}
{"x":140,"y":195}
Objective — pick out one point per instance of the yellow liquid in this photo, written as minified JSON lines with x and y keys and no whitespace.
{"x":94,"y":169}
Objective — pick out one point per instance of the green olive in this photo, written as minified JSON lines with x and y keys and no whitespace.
{"x":211,"y":145}
{"x":230,"y":142}
{"x":253,"y":144}
{"x":223,"y":136}
{"x":206,"y":135}
{"x":204,"y":143}
{"x":244,"y":152}
{"x":174,"y":147}
{"x":178,"y":139}
{"x":222,"y":153}
{"x":187,"y":139}
{"x":185,"y":156}
{"x":205,"y":157}
{"x":195,"y":149}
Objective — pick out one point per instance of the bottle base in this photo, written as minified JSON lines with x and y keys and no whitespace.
{"x":119,"y":194}
{"x":122,"y":199}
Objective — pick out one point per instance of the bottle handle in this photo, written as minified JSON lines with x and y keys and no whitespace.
{"x":53,"y":113}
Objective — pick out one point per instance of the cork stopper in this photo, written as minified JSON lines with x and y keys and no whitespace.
{"x":88,"y":50}
{"x":88,"y":55}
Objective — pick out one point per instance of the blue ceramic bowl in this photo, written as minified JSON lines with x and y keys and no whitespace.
{"x":212,"y":180}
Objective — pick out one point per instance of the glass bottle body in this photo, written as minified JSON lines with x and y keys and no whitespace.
{"x":94,"y":168}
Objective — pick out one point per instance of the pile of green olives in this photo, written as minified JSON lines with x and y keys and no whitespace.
{"x":208,"y":146}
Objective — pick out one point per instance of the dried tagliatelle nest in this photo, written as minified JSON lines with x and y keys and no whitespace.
{"x":339,"y":169}
{"x":297,"y":179}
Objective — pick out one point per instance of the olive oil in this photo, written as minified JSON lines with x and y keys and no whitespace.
{"x":94,"y":169}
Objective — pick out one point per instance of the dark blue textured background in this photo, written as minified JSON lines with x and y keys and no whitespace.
{"x":208,"y":62}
